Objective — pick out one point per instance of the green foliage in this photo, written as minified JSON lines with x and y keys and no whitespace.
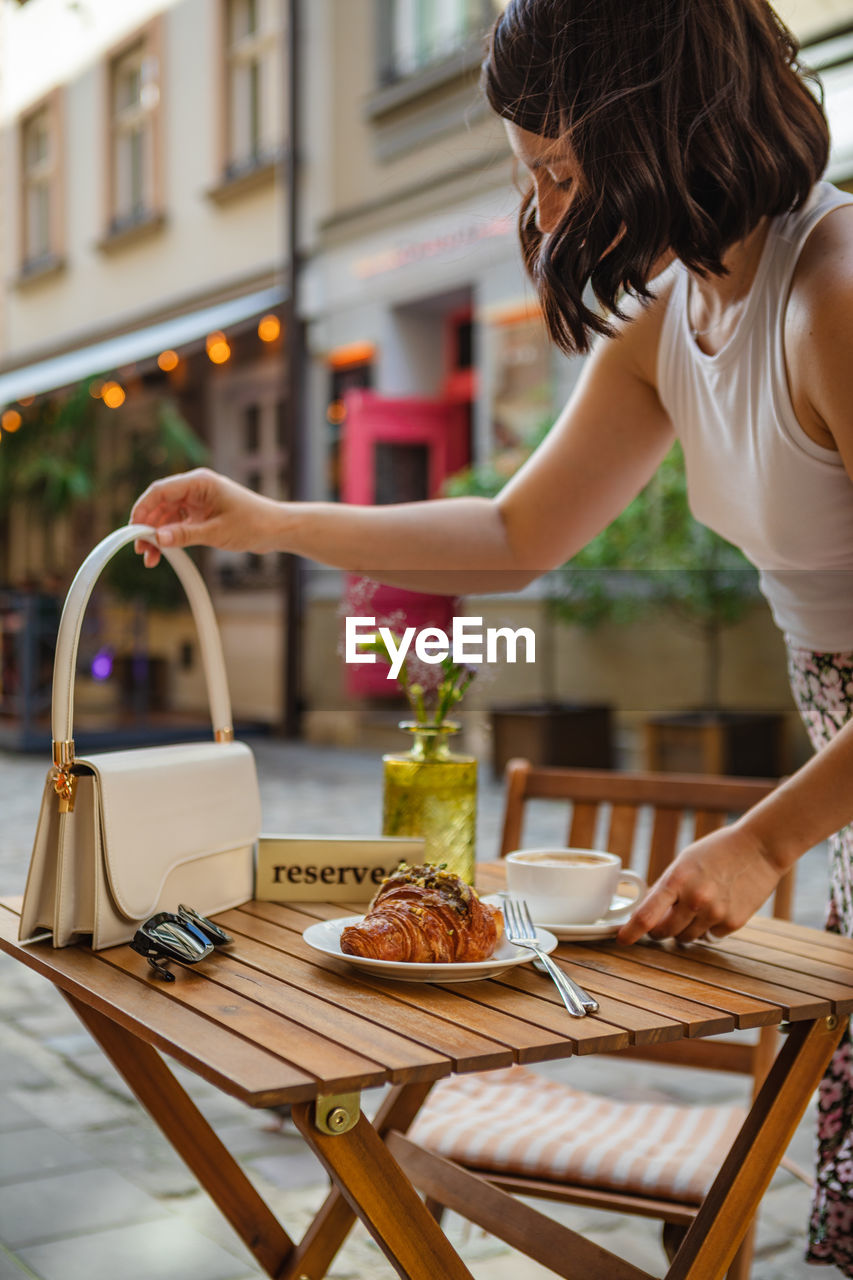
{"x":54,"y":464}
{"x":432,"y":692}
{"x":168,"y":444}
{"x":653,"y":556}
{"x":50,"y":460}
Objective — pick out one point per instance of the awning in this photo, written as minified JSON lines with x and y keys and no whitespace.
{"x":128,"y":348}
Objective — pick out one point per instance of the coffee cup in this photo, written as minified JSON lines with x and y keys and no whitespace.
{"x":570,"y":886}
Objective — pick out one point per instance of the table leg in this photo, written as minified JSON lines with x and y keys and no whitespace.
{"x":192,"y":1137}
{"x":334,"y":1220}
{"x":713,"y":1237}
{"x":378,"y":1191}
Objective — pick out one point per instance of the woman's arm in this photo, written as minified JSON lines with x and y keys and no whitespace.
{"x":603,"y":448}
{"x":718,"y":882}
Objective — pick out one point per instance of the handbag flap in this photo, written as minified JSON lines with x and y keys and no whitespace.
{"x":164,"y":806}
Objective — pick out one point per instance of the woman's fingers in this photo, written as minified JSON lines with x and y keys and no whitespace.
{"x":179,"y":508}
{"x":174,"y":496}
{"x":651,"y":914}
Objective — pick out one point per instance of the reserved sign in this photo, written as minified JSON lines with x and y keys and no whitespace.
{"x":329,"y":868}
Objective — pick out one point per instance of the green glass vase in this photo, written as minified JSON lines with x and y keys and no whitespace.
{"x":431,"y":792}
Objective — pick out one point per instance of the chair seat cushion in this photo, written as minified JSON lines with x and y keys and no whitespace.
{"x":515,"y":1121}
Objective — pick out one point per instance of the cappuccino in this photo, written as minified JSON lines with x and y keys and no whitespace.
{"x":571,"y":886}
{"x":561,"y":860}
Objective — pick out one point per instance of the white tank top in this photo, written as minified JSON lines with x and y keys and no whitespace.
{"x":753,"y":475}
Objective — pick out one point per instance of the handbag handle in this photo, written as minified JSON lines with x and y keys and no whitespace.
{"x":71,"y":622}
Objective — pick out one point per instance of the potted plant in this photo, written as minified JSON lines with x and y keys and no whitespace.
{"x":653,"y":557}
{"x":706,"y":584}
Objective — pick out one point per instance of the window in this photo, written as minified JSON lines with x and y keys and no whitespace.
{"x":248,"y":442}
{"x":41,"y":198}
{"x":252,"y":85}
{"x":416,"y":33}
{"x":351,"y":369}
{"x":134,"y":99}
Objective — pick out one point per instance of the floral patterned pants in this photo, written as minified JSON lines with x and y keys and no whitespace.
{"x":822,"y":685}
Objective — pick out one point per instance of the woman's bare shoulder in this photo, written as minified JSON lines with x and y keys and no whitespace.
{"x":819,"y":329}
{"x":825,"y":265}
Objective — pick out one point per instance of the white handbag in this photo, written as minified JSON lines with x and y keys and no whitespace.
{"x":123,"y":834}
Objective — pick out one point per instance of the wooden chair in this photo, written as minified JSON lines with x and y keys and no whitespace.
{"x":607,"y":811}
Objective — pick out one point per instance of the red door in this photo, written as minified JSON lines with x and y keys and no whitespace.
{"x":398,"y":450}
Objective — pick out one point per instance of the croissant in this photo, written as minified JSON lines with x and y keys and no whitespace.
{"x":425,"y":915}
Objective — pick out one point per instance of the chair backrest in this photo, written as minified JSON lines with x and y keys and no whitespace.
{"x":674,"y":803}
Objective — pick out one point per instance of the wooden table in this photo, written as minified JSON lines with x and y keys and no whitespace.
{"x":273,"y":1022}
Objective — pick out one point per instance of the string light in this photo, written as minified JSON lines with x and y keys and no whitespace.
{"x":96,"y":388}
{"x":11,"y":420}
{"x":336,"y":413}
{"x":168,"y":360}
{"x":269,"y":328}
{"x":218,"y":350}
{"x":113,"y":395}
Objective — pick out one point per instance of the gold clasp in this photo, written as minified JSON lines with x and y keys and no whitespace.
{"x":64,"y":781}
{"x":337,"y":1113}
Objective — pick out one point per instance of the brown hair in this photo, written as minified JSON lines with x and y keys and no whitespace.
{"x":688,"y":121}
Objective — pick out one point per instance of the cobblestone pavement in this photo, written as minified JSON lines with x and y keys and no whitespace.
{"x":90,"y":1189}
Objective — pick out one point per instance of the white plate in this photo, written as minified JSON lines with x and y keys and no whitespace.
{"x":325,"y":936}
{"x":590,"y":932}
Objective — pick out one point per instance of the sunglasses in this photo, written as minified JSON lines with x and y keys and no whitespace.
{"x":184,"y":937}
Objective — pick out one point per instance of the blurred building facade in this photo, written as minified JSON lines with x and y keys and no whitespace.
{"x":144,"y":217}
{"x":143,"y":240}
{"x":414,"y":275}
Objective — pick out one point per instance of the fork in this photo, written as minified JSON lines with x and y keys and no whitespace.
{"x":589,"y":1002}
{"x":521,"y":932}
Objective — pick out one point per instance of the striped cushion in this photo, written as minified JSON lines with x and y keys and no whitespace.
{"x":514,"y":1121}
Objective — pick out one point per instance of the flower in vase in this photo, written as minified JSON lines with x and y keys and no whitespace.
{"x":432,"y":690}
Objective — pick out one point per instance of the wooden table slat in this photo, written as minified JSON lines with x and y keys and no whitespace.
{"x":587,"y":1035}
{"x":734,"y":960}
{"x":786,"y":936}
{"x":333,"y":1063}
{"x":622,"y":979}
{"x":799,"y":1000}
{"x":631,"y":963}
{"x":688,"y":962}
{"x":642,"y":1026}
{"x":490,"y":1039}
{"x":813,"y":966}
{"x":424,"y":1033}
{"x":840,"y":946}
{"x":255,"y":1075}
{"x":403,"y":1059}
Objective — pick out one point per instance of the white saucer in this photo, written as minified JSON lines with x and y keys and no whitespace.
{"x":325,"y":936}
{"x":591,"y":931}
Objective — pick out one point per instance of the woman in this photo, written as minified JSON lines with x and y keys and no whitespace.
{"x":675,"y":156}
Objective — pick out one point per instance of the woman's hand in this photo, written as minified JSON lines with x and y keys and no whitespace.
{"x":713,"y":886}
{"x":203,"y":508}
